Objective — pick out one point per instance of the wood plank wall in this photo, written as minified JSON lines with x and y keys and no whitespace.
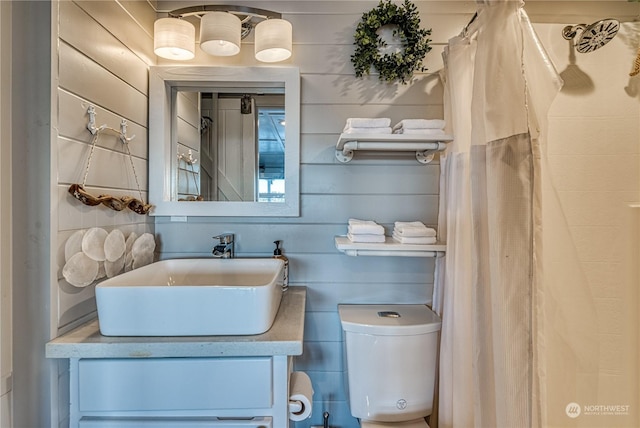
{"x":103,"y":53}
{"x":382,"y":188}
{"x":112,"y":75}
{"x":379,"y":188}
{"x":188,"y":137}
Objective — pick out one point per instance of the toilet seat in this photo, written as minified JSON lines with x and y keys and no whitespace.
{"x":416,"y":423}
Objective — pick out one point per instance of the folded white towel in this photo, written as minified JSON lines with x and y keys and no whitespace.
{"x":366,"y":230}
{"x":425,"y":132}
{"x":413,"y":228}
{"x":409,"y":224}
{"x":368,"y":122}
{"x":349,"y":130}
{"x":365,"y":227}
{"x":415,"y":232}
{"x":414,"y":239}
{"x":365,"y":238}
{"x":420,"y":124}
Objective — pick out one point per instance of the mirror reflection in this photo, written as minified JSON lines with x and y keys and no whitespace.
{"x":218,"y":138}
{"x":230,"y":146}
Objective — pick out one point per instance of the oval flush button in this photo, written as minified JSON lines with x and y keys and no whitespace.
{"x":388,"y":314}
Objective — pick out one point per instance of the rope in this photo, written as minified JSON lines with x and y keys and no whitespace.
{"x":93,"y":146}
{"x":117,"y":204}
{"x":126,"y":144}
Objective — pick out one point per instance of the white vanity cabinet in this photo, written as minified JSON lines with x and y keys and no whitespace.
{"x":179,"y":389}
{"x":212,"y":381}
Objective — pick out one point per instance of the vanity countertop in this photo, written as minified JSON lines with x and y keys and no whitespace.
{"x":284,"y":338}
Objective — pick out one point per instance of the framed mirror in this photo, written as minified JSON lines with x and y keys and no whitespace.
{"x":224,"y":141}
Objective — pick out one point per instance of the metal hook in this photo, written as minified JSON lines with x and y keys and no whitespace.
{"x":91,"y":126}
{"x":123,"y":132}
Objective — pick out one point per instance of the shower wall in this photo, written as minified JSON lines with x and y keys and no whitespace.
{"x":593,"y":151}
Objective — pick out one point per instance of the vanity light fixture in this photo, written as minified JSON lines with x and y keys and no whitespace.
{"x":174,"y":39}
{"x":273,"y":40}
{"x":221,"y":30}
{"x":220,"y":33}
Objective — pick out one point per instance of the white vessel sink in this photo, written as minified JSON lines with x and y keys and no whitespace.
{"x":192,"y":297}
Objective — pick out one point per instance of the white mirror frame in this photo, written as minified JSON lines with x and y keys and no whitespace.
{"x":162,"y":81}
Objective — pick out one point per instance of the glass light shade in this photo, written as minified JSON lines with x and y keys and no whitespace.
{"x":273,"y":40}
{"x":220,"y":33}
{"x":174,"y":38}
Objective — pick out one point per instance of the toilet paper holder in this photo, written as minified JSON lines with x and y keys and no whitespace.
{"x":300,"y":396}
{"x":295,"y":406}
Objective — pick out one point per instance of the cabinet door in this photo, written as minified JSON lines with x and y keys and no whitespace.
{"x":175,"y":384}
{"x":174,"y":422}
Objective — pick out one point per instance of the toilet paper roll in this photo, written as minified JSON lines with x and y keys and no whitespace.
{"x":300,"y":396}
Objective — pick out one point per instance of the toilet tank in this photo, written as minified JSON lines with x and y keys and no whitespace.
{"x":390,"y":360}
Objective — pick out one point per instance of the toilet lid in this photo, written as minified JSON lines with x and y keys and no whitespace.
{"x":416,"y":423}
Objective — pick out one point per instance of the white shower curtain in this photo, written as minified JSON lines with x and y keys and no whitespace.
{"x":514,"y":306}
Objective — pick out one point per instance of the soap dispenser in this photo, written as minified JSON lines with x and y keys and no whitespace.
{"x":277,"y":254}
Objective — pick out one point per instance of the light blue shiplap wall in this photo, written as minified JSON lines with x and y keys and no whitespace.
{"x":104,"y":49}
{"x":102,"y":56}
{"x":381,"y":188}
{"x":101,"y":52}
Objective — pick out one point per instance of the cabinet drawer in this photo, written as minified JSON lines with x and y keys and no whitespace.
{"x":174,"y":422}
{"x":169,"y":384}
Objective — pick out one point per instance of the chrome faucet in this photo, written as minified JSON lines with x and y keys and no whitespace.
{"x":225,"y":248}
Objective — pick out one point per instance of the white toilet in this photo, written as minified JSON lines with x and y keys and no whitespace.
{"x":390,"y":359}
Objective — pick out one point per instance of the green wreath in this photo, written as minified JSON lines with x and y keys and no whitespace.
{"x":399,"y":65}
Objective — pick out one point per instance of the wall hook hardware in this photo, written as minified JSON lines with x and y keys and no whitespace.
{"x":118,"y":204}
{"x":91,"y":126}
{"x":188,"y":158}
{"x":93,"y":129}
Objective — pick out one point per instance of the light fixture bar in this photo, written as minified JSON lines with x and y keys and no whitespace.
{"x":244,"y":13}
{"x":236,"y":10}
